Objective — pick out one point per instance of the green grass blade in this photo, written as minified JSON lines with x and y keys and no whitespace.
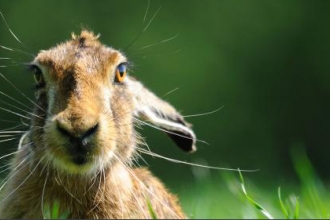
{"x":283,"y":208}
{"x":55,"y":210}
{"x":296,"y":211}
{"x":151,"y":210}
{"x":312,"y":188}
{"x":253,"y":203}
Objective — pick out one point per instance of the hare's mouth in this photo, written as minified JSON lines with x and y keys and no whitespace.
{"x":80,"y":159}
{"x":79,"y":152}
{"x":73,"y":162}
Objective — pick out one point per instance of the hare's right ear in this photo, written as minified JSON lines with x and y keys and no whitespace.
{"x":161,"y":114}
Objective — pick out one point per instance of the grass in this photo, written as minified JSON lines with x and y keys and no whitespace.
{"x":53,"y":211}
{"x":231,"y":196}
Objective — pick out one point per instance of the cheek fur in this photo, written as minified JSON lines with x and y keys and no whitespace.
{"x":51,"y":99}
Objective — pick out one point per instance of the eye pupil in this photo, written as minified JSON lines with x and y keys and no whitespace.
{"x":120,"y":73}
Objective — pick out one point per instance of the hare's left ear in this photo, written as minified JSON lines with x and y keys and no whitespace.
{"x":161,"y":114}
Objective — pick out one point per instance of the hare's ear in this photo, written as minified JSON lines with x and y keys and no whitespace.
{"x":162,"y":115}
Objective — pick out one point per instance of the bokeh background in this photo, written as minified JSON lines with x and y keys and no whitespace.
{"x":266,"y":63}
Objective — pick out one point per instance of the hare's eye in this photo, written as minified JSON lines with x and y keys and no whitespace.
{"x":38,"y":77}
{"x":120,"y":73}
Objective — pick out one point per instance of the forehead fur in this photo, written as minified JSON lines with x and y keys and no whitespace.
{"x":83,"y":53}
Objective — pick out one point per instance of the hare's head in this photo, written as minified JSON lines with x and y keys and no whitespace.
{"x":87,"y":106}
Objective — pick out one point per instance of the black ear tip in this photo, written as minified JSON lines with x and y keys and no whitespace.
{"x":183,"y":140}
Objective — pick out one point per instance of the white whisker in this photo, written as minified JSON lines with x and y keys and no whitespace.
{"x":28,"y":176}
{"x":152,"y":18}
{"x":43,"y":193}
{"x":7,"y":155}
{"x":10,"y":128}
{"x":158,"y":43}
{"x":145,"y":14}
{"x":10,"y":97}
{"x":16,"y":50}
{"x":2,"y":120}
{"x":192,"y":164}
{"x":10,"y":139}
{"x":59,"y":181}
{"x":21,"y":109}
{"x":13,"y":173}
{"x":15,"y":113}
{"x":14,"y":132}
{"x":4,"y":170}
{"x":25,"y":96}
{"x":173,"y":90}
{"x":203,"y":114}
{"x":2,"y":136}
{"x":9,"y":29}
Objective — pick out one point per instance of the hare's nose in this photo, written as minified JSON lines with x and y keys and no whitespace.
{"x":83,"y":134}
{"x":79,"y":146}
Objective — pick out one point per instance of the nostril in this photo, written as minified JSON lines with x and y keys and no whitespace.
{"x":63,"y":130}
{"x":78,"y":135}
{"x":90,"y":131}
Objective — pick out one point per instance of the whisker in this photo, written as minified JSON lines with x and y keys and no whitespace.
{"x":21,"y":109}
{"x":7,"y":155}
{"x":43,"y":194}
{"x":15,"y":113}
{"x":192,"y":164}
{"x":145,"y":14}
{"x":14,"y":132}
{"x":10,"y":97}
{"x":4,"y":170}
{"x":9,"y":29}
{"x":13,"y":174}
{"x":158,"y":43}
{"x":21,"y":183}
{"x":8,"y":121}
{"x":203,"y":114}
{"x":16,"y":50}
{"x":6,"y":135}
{"x":6,"y":48}
{"x":143,"y":30}
{"x":11,"y":65}
{"x":152,"y":18}
{"x":5,"y":165}
{"x":173,"y":90}
{"x":10,"y":139}
{"x":59,"y":181}
{"x":99,"y":189}
{"x":25,"y":96}
{"x":10,"y":128}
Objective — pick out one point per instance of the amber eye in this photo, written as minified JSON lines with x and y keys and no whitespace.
{"x":120,"y":73}
{"x":38,"y":77}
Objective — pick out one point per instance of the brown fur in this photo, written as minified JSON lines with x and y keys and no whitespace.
{"x":80,"y":93}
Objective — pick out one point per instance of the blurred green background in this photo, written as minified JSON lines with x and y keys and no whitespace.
{"x":266,"y":62}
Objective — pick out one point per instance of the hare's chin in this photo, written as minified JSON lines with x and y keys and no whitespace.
{"x":76,"y":166}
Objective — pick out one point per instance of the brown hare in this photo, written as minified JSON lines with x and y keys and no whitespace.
{"x":81,"y":142}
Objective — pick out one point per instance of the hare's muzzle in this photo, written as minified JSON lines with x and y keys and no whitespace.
{"x":79,"y":144}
